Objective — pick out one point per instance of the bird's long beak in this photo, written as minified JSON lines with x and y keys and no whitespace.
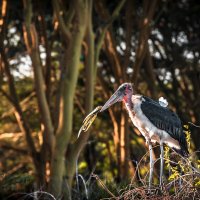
{"x":116,"y":97}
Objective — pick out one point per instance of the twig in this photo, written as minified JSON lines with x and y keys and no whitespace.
{"x":198,"y":126}
{"x":104,"y":186}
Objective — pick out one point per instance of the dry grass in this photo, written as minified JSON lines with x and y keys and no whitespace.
{"x":182,"y":182}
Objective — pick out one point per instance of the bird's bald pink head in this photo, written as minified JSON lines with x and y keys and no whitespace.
{"x":123,"y":93}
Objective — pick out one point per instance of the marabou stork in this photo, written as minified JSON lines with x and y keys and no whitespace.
{"x":156,"y":122}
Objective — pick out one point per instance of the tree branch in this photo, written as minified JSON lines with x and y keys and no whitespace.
{"x":145,"y":25}
{"x":128,"y":22}
{"x":21,"y":118}
{"x":46,"y":42}
{"x":109,"y":40}
{"x":7,"y":96}
{"x":31,"y":41}
{"x":22,"y":103}
{"x":59,"y":14}
{"x":8,"y":147}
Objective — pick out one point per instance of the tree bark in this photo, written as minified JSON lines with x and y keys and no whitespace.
{"x":70,"y":76}
{"x":31,"y":41}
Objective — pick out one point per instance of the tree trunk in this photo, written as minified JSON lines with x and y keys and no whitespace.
{"x":92,"y":55}
{"x":66,"y":111}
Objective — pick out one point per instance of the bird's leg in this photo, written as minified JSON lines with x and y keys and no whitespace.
{"x":151,"y":164}
{"x":161,"y":163}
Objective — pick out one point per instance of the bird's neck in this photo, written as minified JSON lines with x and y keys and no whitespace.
{"x":128,"y":102}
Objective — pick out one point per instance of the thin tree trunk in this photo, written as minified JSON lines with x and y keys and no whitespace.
{"x":64,"y":131}
{"x":31,"y":41}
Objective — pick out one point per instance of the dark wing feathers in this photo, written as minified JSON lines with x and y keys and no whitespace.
{"x":164,"y":119}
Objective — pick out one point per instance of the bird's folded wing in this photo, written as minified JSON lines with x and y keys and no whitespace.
{"x":162,"y":117}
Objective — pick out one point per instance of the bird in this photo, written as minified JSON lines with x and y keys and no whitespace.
{"x":155,"y":121}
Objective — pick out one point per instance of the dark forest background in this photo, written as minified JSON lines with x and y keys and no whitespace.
{"x":60,"y":59}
